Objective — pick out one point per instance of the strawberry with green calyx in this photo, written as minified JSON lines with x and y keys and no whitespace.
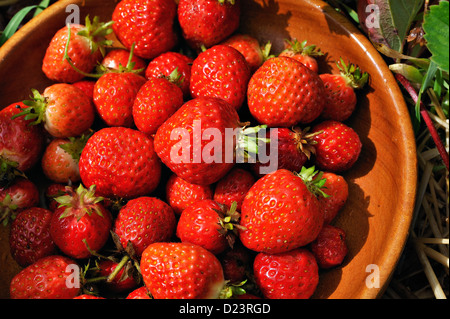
{"x":314,"y":180}
{"x":249,"y":47}
{"x":76,"y":48}
{"x":336,"y":188}
{"x":340,"y":91}
{"x":279,"y":213}
{"x":115,"y":92}
{"x":117,"y":58}
{"x":156,"y":100}
{"x":20,"y":142}
{"x":80,"y":223}
{"x":209,"y":224}
{"x":166,"y":63}
{"x":303,"y":53}
{"x":60,"y":159}
{"x":196,"y":161}
{"x":63,"y":109}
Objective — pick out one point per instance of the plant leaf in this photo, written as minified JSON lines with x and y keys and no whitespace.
{"x":436,"y":26}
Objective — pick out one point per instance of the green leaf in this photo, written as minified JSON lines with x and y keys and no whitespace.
{"x":436,"y":26}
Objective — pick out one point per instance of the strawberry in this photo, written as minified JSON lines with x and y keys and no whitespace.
{"x":80,"y":224}
{"x":114,"y":95}
{"x":20,"y":142}
{"x":208,"y":22}
{"x":340,"y":91}
{"x":45,"y":279}
{"x":329,"y":248}
{"x":139,"y":293}
{"x":30,"y":238}
{"x":60,"y":159}
{"x":52,"y":191}
{"x":88,"y":296}
{"x":166,"y":63}
{"x":181,"y":271}
{"x":146,"y":23}
{"x":289,"y":275}
{"x":21,"y":194}
{"x":303,"y":53}
{"x":185,"y":145}
{"x":220,"y":71}
{"x":233,"y":187}
{"x":180,"y":194}
{"x":64,"y":110}
{"x":121,"y":162}
{"x":249,"y":47}
{"x":155,"y":102}
{"x":119,"y":58}
{"x":85,"y":49}
{"x":279,"y":213}
{"x":209,"y":225}
{"x":336,"y":187}
{"x":283,"y":93}
{"x":236,"y":263}
{"x":293,"y":146}
{"x":143,"y":221}
{"x":338,"y":146}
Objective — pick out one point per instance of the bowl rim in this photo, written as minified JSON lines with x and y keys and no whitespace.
{"x":392,"y":254}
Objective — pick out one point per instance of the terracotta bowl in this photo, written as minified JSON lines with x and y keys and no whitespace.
{"x":383,"y":182}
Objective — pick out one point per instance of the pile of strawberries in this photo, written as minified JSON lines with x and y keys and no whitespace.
{"x":129,"y":211}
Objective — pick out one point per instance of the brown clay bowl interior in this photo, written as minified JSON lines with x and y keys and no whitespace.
{"x":383,"y":182}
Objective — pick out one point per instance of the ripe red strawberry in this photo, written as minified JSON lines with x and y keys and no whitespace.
{"x":139,"y":293}
{"x":53,"y":191}
{"x":114,"y":95}
{"x":303,"y":53}
{"x":181,"y":271}
{"x":80,"y":224}
{"x":155,"y":102}
{"x":330,"y":247}
{"x":208,"y":22}
{"x":208,"y":224}
{"x":220,"y":71}
{"x":196,"y":115}
{"x":30,"y":238}
{"x":45,"y":279}
{"x":293,"y":146}
{"x":121,"y":162}
{"x":22,"y":193}
{"x":250,"y":48}
{"x":283,"y":93}
{"x":337,"y":146}
{"x":336,"y":187}
{"x":143,"y":221}
{"x":60,"y":159}
{"x":88,"y":296}
{"x":119,"y":58}
{"x":340,"y":91}
{"x":166,"y":63}
{"x":289,"y":275}
{"x":122,"y":281}
{"x":146,"y":23}
{"x":279,"y":213}
{"x":64,"y":110}
{"x":180,"y":194}
{"x":20,"y":142}
{"x":233,"y":187}
{"x":85,"y":49}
